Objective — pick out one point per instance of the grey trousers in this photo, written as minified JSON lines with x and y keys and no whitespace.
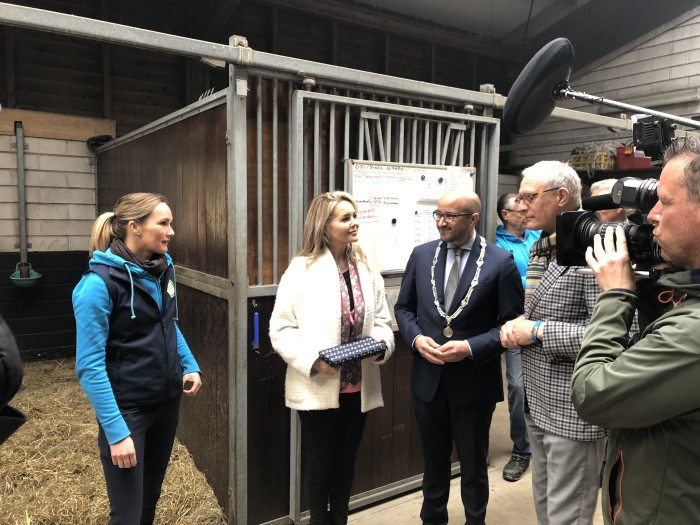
{"x":565,"y":477}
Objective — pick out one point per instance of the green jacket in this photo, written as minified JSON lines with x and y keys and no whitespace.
{"x":648,"y":394}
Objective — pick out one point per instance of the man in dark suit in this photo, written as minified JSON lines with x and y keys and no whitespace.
{"x":456,"y":380}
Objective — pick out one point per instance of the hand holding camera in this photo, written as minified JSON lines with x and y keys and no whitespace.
{"x":610,"y":260}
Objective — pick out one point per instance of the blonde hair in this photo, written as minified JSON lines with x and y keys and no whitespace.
{"x":317,"y":218}
{"x":113,"y":224}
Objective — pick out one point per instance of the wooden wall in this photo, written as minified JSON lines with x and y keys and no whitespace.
{"x":187,"y":163}
{"x":57,"y":73}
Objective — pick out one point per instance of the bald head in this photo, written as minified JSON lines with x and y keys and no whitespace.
{"x":467,"y":201}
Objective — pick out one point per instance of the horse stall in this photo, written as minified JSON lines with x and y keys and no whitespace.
{"x":238,"y":169}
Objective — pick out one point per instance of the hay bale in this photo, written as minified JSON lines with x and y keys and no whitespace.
{"x":51,"y":472}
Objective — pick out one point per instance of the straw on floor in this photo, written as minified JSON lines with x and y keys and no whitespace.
{"x":50,"y":472}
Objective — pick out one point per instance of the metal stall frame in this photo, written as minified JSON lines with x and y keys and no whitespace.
{"x":244,"y":62}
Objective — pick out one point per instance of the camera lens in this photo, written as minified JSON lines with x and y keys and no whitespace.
{"x":640,"y":240}
{"x":640,"y":194}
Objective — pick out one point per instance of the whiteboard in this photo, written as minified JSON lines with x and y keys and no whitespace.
{"x":395,"y":203}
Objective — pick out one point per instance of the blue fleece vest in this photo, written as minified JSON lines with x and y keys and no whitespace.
{"x":142,"y":362}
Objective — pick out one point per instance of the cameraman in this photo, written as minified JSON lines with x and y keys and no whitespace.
{"x":647,"y":392}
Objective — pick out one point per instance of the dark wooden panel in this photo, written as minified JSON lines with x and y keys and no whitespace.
{"x":268,"y":425}
{"x":304,"y":36}
{"x":56,"y":71}
{"x":409,"y":59}
{"x":360,"y":48}
{"x":187,"y":163}
{"x":455,"y":68}
{"x":204,"y":425}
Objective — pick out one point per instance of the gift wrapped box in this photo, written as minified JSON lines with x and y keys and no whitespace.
{"x":340,"y":355}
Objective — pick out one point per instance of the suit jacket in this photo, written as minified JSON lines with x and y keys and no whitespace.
{"x":564,"y":299}
{"x":497,"y":298}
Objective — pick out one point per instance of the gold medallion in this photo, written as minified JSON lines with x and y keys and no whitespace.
{"x":447,"y":331}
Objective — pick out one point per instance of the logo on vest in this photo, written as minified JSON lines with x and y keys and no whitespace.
{"x":171,"y":289}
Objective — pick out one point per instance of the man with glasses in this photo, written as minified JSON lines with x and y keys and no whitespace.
{"x":455,"y":295}
{"x":513,"y":237}
{"x":559,"y":300}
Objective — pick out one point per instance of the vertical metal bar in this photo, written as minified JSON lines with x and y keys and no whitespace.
{"x":414,"y":142}
{"x":21,"y":192}
{"x":296,"y":206}
{"x":291,"y":126}
{"x":472,"y":144}
{"x":439,"y":159}
{"x":490,"y":159}
{"x":346,"y":147}
{"x":380,"y":138}
{"x":426,"y":143}
{"x":331,"y":148}
{"x":402,"y":126}
{"x":368,"y":139}
{"x":297,"y":176}
{"x":236,"y":189}
{"x":275,"y":183}
{"x":259,"y":174}
{"x":317,"y":148}
{"x":387,"y":139}
{"x":361,"y":139}
{"x":456,"y":146}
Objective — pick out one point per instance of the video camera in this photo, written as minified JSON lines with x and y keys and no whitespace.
{"x":576,"y":229}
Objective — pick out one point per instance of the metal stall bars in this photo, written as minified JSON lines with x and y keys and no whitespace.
{"x":324,"y":126}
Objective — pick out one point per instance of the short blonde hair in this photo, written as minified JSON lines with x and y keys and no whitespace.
{"x":113,"y":224}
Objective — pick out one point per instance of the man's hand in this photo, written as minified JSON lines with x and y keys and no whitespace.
{"x":123,"y":453}
{"x":429,"y":349}
{"x":453,"y":351}
{"x":517,"y":333}
{"x":610,"y":261}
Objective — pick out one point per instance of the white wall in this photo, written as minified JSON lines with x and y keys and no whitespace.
{"x":648,"y":72}
{"x":60,"y":194}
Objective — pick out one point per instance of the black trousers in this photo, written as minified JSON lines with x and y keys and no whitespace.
{"x":134,"y":492}
{"x":330,"y":439}
{"x":440,"y":422}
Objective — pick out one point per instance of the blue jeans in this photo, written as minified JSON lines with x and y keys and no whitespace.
{"x":516,"y":403}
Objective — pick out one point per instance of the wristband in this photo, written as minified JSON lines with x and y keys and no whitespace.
{"x":533,"y":332}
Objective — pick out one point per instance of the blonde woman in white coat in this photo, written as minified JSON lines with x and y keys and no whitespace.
{"x":330,"y":295}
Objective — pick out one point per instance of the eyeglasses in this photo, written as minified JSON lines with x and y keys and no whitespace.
{"x":528,"y":198}
{"x":513,"y":211}
{"x":449,"y":217}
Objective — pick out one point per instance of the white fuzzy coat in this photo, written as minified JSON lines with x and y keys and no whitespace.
{"x":306,"y":320}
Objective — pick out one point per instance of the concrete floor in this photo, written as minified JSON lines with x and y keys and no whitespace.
{"x":509,"y":503}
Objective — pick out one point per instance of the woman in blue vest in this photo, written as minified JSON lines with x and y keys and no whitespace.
{"x":131,"y":358}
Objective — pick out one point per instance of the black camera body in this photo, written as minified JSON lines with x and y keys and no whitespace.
{"x":577,"y":229}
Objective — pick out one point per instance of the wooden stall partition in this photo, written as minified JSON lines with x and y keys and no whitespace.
{"x":184,"y":158}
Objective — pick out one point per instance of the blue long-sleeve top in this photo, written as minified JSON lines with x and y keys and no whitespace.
{"x":93,"y":308}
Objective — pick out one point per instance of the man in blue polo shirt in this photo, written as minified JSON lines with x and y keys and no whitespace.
{"x":514,"y":238}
